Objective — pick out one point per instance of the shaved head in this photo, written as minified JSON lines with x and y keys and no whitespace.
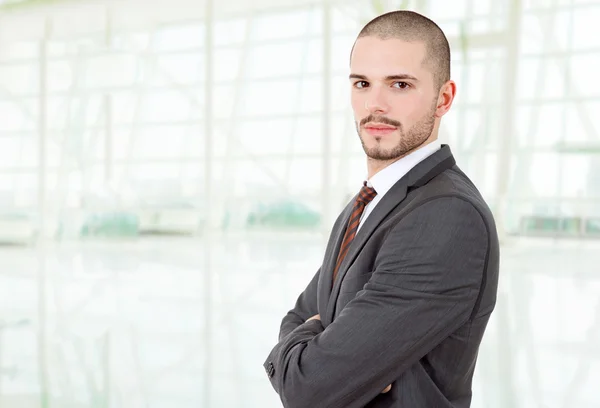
{"x":413,"y":27}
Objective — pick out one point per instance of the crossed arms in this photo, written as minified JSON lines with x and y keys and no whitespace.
{"x":426,"y":280}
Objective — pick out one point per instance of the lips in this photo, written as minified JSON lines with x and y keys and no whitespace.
{"x":379,"y":129}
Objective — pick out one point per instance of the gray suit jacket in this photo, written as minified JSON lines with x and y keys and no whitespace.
{"x":409,"y":307}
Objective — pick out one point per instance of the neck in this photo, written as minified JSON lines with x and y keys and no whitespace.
{"x":374,"y":166}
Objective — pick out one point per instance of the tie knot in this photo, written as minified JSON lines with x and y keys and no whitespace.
{"x":366,"y":194}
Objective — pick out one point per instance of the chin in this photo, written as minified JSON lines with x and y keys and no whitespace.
{"x":375,"y":141}
{"x":384,"y":143}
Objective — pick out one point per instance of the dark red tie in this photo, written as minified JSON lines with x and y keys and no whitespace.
{"x":365,"y":196}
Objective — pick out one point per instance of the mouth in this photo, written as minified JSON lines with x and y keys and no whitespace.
{"x":379,"y":129}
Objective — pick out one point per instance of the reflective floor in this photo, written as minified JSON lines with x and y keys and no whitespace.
{"x":187,"y":322}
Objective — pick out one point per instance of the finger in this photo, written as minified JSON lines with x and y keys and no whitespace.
{"x":387,"y":389}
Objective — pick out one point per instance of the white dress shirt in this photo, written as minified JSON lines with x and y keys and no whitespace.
{"x":383,"y":181}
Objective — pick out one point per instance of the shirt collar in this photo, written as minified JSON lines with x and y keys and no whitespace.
{"x":383,"y":181}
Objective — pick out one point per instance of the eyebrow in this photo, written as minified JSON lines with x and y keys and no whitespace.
{"x":387,"y":78}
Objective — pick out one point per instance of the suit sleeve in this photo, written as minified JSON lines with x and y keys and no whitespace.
{"x":305,"y":308}
{"x":425,"y":283}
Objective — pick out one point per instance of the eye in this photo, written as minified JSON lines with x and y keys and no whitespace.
{"x":401,"y":85}
{"x":361,"y":84}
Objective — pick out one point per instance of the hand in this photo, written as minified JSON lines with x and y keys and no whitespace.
{"x":387,"y":389}
{"x":317,"y":317}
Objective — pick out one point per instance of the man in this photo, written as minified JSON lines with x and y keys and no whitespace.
{"x":396,"y":312}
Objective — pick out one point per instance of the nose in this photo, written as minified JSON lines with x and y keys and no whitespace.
{"x":376,"y":103}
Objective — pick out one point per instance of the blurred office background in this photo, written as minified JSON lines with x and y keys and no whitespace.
{"x":170,"y":171}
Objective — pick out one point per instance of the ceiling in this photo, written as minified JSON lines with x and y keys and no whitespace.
{"x":54,"y":19}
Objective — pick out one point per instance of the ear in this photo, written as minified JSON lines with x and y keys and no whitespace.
{"x":445,"y":98}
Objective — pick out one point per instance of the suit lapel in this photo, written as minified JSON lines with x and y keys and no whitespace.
{"x":331,"y":253}
{"x":395,"y":196}
{"x":420,"y":175}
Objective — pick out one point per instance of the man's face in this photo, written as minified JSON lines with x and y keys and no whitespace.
{"x":393,"y":96}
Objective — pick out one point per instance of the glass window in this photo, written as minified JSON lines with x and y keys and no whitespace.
{"x":276,"y":60}
{"x":584,"y":75}
{"x":584,"y":35}
{"x":277,"y":97}
{"x":110,"y":70}
{"x":283,"y":25}
{"x":167,"y":105}
{"x":179,"y":69}
{"x":231,"y":31}
{"x":179,"y":37}
{"x":269,"y":136}
{"x":445,"y":10}
{"x":19,"y":79}
{"x":21,"y":50}
{"x":228,"y":65}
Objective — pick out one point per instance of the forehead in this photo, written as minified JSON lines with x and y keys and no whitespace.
{"x":373,"y":55}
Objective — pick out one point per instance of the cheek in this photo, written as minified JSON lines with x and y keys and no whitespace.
{"x":412,"y":107}
{"x":358,"y":105}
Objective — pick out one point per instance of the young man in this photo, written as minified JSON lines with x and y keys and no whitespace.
{"x":395,"y":314}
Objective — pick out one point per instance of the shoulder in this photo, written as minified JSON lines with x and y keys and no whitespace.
{"x":452,"y":189}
